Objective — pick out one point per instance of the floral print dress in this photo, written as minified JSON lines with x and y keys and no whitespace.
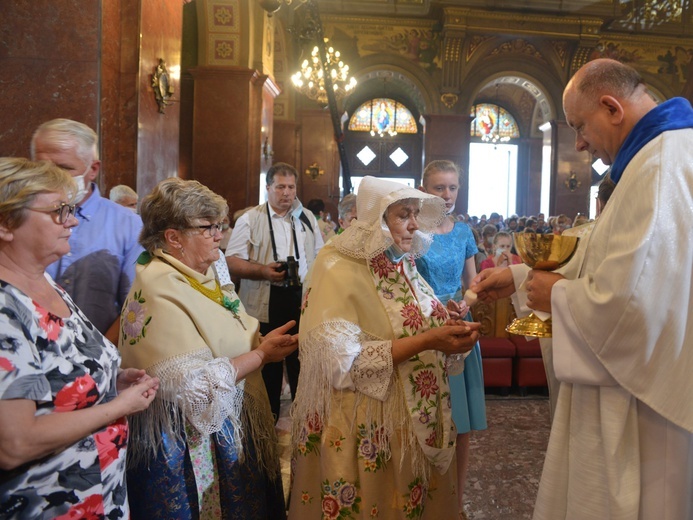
{"x":62,"y":364}
{"x":371,"y":439}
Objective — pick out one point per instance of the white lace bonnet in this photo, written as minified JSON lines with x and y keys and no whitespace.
{"x":368,"y":235}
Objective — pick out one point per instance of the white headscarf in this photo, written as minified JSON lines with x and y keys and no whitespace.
{"x":368,"y":235}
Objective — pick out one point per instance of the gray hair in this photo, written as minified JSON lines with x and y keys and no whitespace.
{"x":176,"y":203}
{"x":64,"y":134}
{"x":346,"y":205}
{"x":21,"y":180}
{"x":120,"y":192}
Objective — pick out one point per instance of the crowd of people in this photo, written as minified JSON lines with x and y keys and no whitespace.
{"x":178,"y":420}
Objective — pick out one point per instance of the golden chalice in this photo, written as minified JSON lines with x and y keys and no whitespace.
{"x":546,"y":253}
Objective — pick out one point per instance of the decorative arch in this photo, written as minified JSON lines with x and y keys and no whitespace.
{"x":415,"y":86}
{"x":545,"y":108}
{"x":540,"y":82}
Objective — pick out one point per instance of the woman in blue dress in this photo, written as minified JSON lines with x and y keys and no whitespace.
{"x":448,"y":263}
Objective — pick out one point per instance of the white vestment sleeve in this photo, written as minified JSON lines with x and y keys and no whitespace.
{"x":573,"y":360}
{"x":519,"y":297}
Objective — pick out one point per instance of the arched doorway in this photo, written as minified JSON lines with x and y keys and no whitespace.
{"x":492,"y":160}
{"x":383,"y":139}
{"x":505,"y":160}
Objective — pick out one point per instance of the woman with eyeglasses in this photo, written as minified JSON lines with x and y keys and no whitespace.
{"x":207,"y":447}
{"x":63,"y":397}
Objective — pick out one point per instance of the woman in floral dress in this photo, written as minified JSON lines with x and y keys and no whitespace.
{"x":63,"y":399}
{"x":207,"y":447}
{"x":372,"y":431}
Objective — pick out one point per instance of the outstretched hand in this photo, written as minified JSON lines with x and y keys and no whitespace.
{"x":493,"y":284}
{"x":456,"y":337}
{"x":277,"y":344}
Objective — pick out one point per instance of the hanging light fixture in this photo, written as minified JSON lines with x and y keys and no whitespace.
{"x":310,"y":80}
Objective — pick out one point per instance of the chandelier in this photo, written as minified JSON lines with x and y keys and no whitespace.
{"x":310,"y":80}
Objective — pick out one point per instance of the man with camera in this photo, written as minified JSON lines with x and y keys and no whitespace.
{"x":270,"y":250}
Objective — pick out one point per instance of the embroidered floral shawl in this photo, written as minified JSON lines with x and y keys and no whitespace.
{"x":186,"y":339}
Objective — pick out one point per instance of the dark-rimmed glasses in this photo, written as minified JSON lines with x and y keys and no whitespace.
{"x":210,"y":230}
{"x":64,"y":211}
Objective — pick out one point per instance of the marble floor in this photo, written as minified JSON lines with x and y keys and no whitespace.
{"x":505,"y":460}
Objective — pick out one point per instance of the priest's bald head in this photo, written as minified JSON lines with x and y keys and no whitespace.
{"x":602,"y":102}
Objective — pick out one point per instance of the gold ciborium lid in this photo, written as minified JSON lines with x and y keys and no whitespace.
{"x":545,"y":252}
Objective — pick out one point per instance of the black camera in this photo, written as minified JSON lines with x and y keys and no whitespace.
{"x":291,"y":267}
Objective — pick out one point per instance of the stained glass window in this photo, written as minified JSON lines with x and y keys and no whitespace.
{"x":493,"y":123}
{"x":383,"y":116}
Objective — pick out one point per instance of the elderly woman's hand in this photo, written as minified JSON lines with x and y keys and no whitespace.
{"x":457,"y":309}
{"x":456,"y":337}
{"x":277,"y":344}
{"x":131,"y":376}
{"x":138,"y":396}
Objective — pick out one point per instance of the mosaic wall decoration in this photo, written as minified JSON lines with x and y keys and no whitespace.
{"x":419,"y":43}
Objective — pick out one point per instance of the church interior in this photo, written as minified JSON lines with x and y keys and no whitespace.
{"x":219,"y":90}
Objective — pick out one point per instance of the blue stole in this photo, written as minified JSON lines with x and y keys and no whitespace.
{"x":673,"y":114}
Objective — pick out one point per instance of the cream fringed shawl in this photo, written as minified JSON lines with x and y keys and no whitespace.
{"x":346,"y":338}
{"x":186,"y":339}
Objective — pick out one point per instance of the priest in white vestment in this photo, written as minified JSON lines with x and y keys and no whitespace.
{"x":621,"y":444}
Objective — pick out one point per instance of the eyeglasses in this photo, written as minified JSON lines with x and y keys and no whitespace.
{"x":63,"y":211}
{"x":210,"y":230}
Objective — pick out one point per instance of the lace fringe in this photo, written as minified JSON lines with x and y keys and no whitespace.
{"x":316,"y":397}
{"x":248,"y":413}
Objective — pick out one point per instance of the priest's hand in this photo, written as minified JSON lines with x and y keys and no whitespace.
{"x":538,"y":287}
{"x":493,"y":284}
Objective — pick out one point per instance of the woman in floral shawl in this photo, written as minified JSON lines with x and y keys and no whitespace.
{"x":372,"y":431}
{"x":207,"y":447}
{"x":63,"y":397}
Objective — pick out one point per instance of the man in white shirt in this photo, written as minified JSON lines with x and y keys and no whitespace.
{"x":621,"y":444}
{"x":270,"y":250}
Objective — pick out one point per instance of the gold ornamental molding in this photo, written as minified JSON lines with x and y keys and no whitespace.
{"x":561,"y":50}
{"x":518,"y":46}
{"x":371,"y":21}
{"x":475,"y":42}
{"x":564,"y":27}
{"x":449,"y":100}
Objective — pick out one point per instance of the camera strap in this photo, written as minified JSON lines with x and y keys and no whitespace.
{"x":274,"y":243}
